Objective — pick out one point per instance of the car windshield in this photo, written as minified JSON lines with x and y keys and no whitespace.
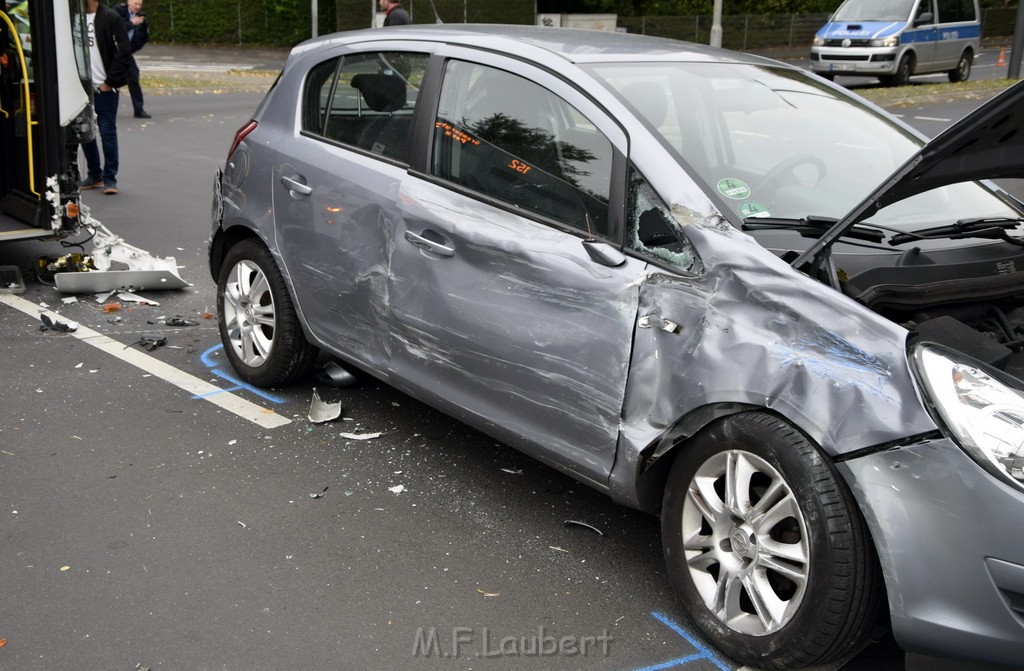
{"x":874,"y":10}
{"x":782,"y":143}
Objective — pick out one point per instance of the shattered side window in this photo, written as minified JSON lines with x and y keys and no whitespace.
{"x":653,"y":232}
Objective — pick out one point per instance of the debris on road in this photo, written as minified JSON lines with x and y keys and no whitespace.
{"x":150,"y":341}
{"x":334,"y":375}
{"x":129,"y":297}
{"x":488,"y":594}
{"x":397,"y":489}
{"x":361,"y":436}
{"x":57,"y":325}
{"x":178,"y":320}
{"x":513,"y":471}
{"x":113,"y":265}
{"x":321,"y":411}
{"x":319,"y":495}
{"x":577,"y":523}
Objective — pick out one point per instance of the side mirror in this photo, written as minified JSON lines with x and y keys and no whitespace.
{"x":924,"y":18}
{"x":603,"y":253}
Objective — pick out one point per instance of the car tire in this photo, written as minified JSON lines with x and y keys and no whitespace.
{"x":792,"y":544}
{"x":962,"y":71}
{"x":903,"y":71}
{"x":258,"y":323}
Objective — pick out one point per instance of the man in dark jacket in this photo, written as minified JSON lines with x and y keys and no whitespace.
{"x":109,"y":54}
{"x":395,"y":13}
{"x":138,"y":34}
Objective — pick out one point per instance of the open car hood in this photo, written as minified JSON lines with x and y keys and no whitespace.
{"x":988,"y":143}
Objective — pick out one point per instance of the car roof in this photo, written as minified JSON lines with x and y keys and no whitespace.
{"x":572,"y":44}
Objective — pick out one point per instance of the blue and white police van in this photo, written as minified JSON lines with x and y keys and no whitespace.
{"x":894,"y":39}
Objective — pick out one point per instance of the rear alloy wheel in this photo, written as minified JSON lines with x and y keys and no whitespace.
{"x":963,"y":68}
{"x":765,"y":547}
{"x":258,"y":323}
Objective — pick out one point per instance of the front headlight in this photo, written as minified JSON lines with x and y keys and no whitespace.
{"x":892,"y":41}
{"x":980,"y":408}
{"x":818,"y":41}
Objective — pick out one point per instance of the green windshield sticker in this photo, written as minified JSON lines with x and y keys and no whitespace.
{"x":754,"y":209}
{"x":733,"y":188}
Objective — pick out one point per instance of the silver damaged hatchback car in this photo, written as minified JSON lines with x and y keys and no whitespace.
{"x":670,"y":272}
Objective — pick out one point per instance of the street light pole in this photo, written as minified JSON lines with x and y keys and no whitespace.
{"x":716,"y":24}
{"x":1017,"y":48}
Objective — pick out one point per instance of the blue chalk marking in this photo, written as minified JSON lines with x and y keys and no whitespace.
{"x":702,"y":651}
{"x":207,"y":359}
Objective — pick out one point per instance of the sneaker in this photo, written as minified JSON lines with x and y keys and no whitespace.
{"x":110,"y":189}
{"x":142,"y":115}
{"x":90,"y":183}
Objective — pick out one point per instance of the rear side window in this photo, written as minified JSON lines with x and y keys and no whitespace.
{"x":508,"y":138}
{"x":365,"y":101}
{"x":956,"y":10}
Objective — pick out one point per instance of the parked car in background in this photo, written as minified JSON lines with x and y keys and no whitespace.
{"x":670,"y":272}
{"x":894,"y":39}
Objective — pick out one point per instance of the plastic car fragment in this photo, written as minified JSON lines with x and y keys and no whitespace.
{"x":577,"y":523}
{"x":119,"y":265}
{"x":150,"y":341}
{"x":334,"y":375}
{"x":320,"y":411}
{"x":57,"y":325}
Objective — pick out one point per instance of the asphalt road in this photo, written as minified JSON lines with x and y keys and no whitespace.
{"x":143,"y":524}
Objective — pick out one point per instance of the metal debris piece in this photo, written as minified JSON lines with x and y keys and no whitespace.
{"x":513,"y":471}
{"x":558,"y":549}
{"x":486,"y":593}
{"x":241,"y":524}
{"x":56,"y":325}
{"x":150,"y":341}
{"x":397,"y":489}
{"x":584,"y":525}
{"x":361,"y":436}
{"x":334,"y":375}
{"x":321,"y":411}
{"x":318,"y":495}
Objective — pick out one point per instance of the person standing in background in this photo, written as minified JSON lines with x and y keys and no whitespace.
{"x":138,"y":34}
{"x":110,"y":53}
{"x":395,"y":13}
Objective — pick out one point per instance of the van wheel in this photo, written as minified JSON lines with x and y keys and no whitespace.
{"x":765,"y":546}
{"x":258,"y":324}
{"x":903,"y":72}
{"x":963,"y":68}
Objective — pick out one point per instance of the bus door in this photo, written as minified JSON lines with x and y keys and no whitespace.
{"x":44,"y":113}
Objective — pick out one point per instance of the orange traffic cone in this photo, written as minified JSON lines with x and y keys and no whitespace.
{"x":1001,"y":61}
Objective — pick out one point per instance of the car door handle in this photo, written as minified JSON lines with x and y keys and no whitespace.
{"x":428,"y":245}
{"x":296,"y":186}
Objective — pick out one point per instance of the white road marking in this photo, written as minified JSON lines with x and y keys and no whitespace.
{"x":265,"y":418}
{"x":932,"y":118}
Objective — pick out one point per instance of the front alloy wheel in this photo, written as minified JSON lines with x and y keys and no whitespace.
{"x":745,"y":542}
{"x":765,"y":546}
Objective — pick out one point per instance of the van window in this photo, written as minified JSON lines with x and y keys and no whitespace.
{"x":874,"y":10}
{"x":951,"y":11}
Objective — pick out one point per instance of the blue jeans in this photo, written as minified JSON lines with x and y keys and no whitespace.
{"x":106,"y":118}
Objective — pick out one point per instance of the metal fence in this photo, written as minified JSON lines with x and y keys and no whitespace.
{"x":264,"y":23}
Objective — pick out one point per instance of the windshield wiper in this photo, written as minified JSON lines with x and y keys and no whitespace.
{"x":811,"y":226}
{"x":993,"y":228}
